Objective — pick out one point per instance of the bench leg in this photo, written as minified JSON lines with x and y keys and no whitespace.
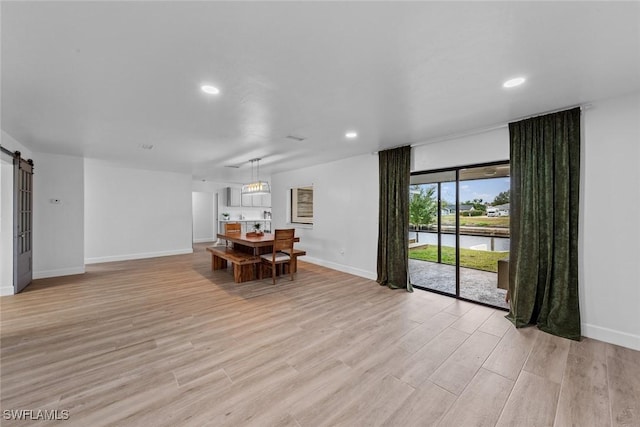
{"x":242,"y":273}
{"x":218,"y":263}
{"x":294,"y":266}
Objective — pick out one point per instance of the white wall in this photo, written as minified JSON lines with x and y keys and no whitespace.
{"x":58,"y":231}
{"x":11,"y":144}
{"x":6,"y":213}
{"x":344,"y":235}
{"x":207,"y":186}
{"x":135,"y":213}
{"x":202,"y":205}
{"x":610,"y":230}
{"x":480,"y":148}
{"x":6,"y":228}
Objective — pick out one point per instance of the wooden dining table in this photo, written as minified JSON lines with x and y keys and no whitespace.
{"x":250,"y":242}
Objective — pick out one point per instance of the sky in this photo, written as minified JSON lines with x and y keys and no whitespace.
{"x":485,"y":189}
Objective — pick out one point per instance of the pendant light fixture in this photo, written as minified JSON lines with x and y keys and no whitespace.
{"x":256,"y":186}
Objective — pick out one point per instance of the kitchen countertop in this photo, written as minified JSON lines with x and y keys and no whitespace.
{"x":244,"y":220}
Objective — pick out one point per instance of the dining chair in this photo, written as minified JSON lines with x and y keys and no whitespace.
{"x":231,"y":228}
{"x":282,"y":240}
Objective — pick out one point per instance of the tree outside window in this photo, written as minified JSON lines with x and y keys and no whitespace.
{"x":423,"y":205}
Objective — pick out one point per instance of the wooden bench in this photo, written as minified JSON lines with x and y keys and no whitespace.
{"x":243,"y":263}
{"x":295,"y":254}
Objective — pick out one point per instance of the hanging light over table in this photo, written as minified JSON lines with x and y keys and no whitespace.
{"x":256,"y":186}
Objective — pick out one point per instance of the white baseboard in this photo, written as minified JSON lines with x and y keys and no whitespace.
{"x":611,"y":336}
{"x":59,"y":272}
{"x":128,"y":257}
{"x":43,"y":274}
{"x":204,"y":240}
{"x":6,"y":290}
{"x":341,"y":267}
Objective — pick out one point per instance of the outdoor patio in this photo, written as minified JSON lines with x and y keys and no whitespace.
{"x":475,"y":285}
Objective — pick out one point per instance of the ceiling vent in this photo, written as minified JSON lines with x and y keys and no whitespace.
{"x":295,"y":138}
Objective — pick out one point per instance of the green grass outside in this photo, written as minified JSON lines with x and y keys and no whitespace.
{"x":480,"y":260}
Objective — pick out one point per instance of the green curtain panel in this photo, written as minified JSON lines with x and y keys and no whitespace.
{"x":393,"y":224}
{"x":543,"y":266}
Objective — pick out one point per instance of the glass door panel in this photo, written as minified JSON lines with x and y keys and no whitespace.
{"x":484,"y":232}
{"x":432,"y":239}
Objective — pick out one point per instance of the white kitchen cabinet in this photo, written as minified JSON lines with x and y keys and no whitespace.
{"x":256,"y":200}
{"x":233,"y":196}
{"x":247,"y":200}
{"x":266,"y":200}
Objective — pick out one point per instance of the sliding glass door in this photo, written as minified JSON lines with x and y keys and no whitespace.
{"x":459,"y":232}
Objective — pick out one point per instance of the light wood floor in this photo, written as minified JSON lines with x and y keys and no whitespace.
{"x":168,"y":342}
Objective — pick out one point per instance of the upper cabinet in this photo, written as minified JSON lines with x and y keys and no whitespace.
{"x":233,"y":196}
{"x":236,"y":198}
{"x":266,"y":200}
{"x":247,"y":200}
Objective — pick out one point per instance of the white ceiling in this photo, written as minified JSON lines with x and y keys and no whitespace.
{"x":100,"y":79}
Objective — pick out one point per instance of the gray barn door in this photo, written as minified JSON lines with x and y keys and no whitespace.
{"x":23,"y":222}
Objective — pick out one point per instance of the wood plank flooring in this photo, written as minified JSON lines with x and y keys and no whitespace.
{"x":168,"y":342}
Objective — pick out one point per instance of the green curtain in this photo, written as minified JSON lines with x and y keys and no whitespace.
{"x":393,"y":224}
{"x":543,"y":265}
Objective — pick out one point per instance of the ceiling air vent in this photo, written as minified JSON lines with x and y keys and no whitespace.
{"x":295,"y":138}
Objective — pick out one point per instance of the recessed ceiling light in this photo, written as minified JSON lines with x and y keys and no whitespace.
{"x":351,"y":135}
{"x":514,"y":82}
{"x":211,"y":90}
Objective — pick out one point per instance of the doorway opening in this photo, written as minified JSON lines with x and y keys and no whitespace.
{"x":459,"y":232}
